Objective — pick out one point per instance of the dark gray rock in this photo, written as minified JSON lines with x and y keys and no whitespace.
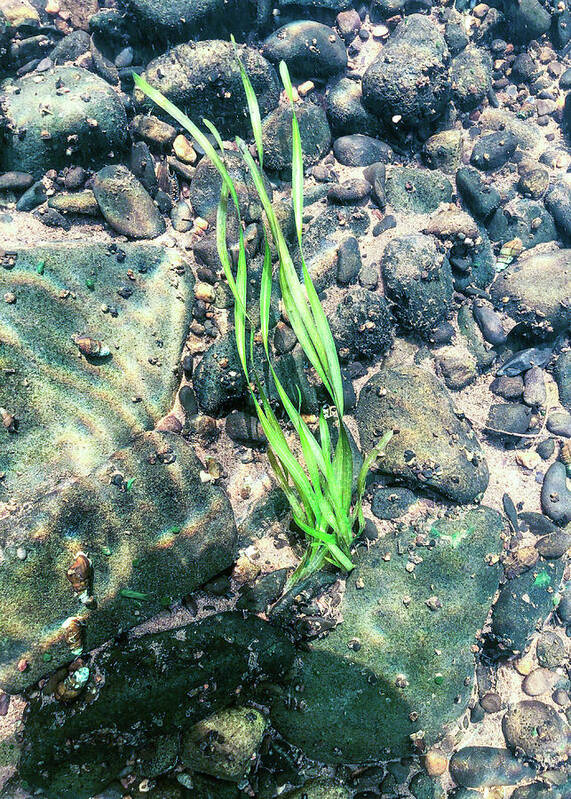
{"x":489,"y":323}
{"x":203,"y":80}
{"x":362,"y":325}
{"x":376,"y":174}
{"x":409,"y":78}
{"x":492,"y":151}
{"x":482,"y":200}
{"x":482,"y":766}
{"x":390,"y":503}
{"x":218,"y":379}
{"x":244,"y":429}
{"x":523,"y":604}
{"x":90,"y":112}
{"x":523,"y":219}
{"x":417,"y":191}
{"x":550,"y":648}
{"x":416,"y":404}
{"x":456,"y":36}
{"x":346,"y":112}
{"x":32,"y":197}
{"x":555,"y":496}
{"x":558,"y":203}
{"x":531,"y":290}
{"x":310,"y":49}
{"x":559,"y":423}
{"x":509,"y":388}
{"x":443,"y":150}
{"x":562,"y":374}
{"x":527,"y":19}
{"x":471,"y":77}
{"x":348,"y":261}
{"x":277,"y":136}
{"x":70,"y":47}
{"x":360,"y":150}
{"x":418,"y":281}
{"x":505,"y":418}
{"x":350,"y":192}
{"x":126,"y":205}
{"x":181,"y":20}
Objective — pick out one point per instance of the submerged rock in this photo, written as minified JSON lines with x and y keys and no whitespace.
{"x":153,"y":686}
{"x":277,"y":135}
{"x":433,"y":448}
{"x":537,"y":730}
{"x":483,"y":766}
{"x":471,"y":77}
{"x":203,"y":79}
{"x":126,"y":205}
{"x":400,"y":661}
{"x":417,"y":191}
{"x":180,"y":20}
{"x":362,"y":325}
{"x":68,"y":115}
{"x":310,"y":49}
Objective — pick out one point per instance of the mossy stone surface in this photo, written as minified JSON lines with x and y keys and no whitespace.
{"x":74,"y":411}
{"x":394,"y":666}
{"x":433,"y":449}
{"x":91,"y":110}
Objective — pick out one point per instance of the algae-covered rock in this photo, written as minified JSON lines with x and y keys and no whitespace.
{"x":433,"y":448}
{"x":147,"y":525}
{"x":179,"y":20}
{"x":149,"y":687}
{"x":224,"y":744}
{"x":401,"y":660}
{"x":68,"y":115}
{"x":535,"y":291}
{"x":73,"y":410}
{"x":203,"y":79}
{"x":417,"y":191}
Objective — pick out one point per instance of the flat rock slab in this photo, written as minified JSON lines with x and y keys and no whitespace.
{"x":74,"y":411}
{"x":157,"y":531}
{"x":400,"y":662}
{"x":433,"y":447}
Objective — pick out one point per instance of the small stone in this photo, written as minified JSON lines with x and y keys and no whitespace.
{"x":491,"y":702}
{"x":534,"y":393}
{"x":535,"y":729}
{"x":435,"y":762}
{"x":536,"y":683}
{"x":550,"y":650}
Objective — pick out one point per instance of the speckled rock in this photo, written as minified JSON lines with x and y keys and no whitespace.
{"x":418,"y":281}
{"x":562,"y":374}
{"x":181,"y":20}
{"x":153,"y":686}
{"x":482,"y":200}
{"x":310,"y":49}
{"x":203,"y":79}
{"x":346,"y":112}
{"x":277,"y":136}
{"x":492,"y":151}
{"x":390,"y":503}
{"x":417,"y":191}
{"x":527,"y":19}
{"x":362,"y":325}
{"x":555,"y":496}
{"x":558,"y":203}
{"x":537,"y":730}
{"x":416,"y":404}
{"x":444,"y":150}
{"x":360,"y":685}
{"x":320,"y":789}
{"x":527,"y":290}
{"x":360,"y":150}
{"x":524,"y":219}
{"x":483,"y":766}
{"x":471,"y":77}
{"x":126,"y":205}
{"x":90,"y":110}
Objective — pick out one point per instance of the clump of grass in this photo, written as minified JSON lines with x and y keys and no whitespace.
{"x":319,"y":488}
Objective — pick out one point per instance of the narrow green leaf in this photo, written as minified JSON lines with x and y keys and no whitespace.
{"x":253,"y":107}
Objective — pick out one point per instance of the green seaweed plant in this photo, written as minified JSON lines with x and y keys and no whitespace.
{"x":318,"y":485}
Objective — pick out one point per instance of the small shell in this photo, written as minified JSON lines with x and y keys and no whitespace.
{"x":70,"y":688}
{"x":509,"y":252}
{"x":80,"y":573}
{"x":73,"y":634}
{"x":91,"y":347}
{"x":9,"y":420}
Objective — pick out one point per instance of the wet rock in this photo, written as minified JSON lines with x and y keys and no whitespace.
{"x":534,"y":393}
{"x":277,"y":136}
{"x":90,"y":113}
{"x":418,"y":281}
{"x":348,"y":261}
{"x":203,"y":79}
{"x":562,"y":375}
{"x":245,"y":429}
{"x":70,"y":47}
{"x":181,"y":216}
{"x":224,"y":744}
{"x":458,"y":367}
{"x":350,"y":192}
{"x":443,"y":151}
{"x":267,"y":589}
{"x":537,"y":523}
{"x":523,"y":604}
{"x":500,"y":119}
{"x":181,"y":20}
{"x":489,"y":323}
{"x":474,"y":340}
{"x":527,"y":19}
{"x":483,"y":766}
{"x":218,"y":379}
{"x":32,"y":197}
{"x":417,"y":191}
{"x":524,"y":219}
{"x":376,"y":175}
{"x":390,"y":503}
{"x":546,"y":448}
{"x":537,"y":730}
{"x":509,"y":388}
{"x":15,"y":181}
{"x":504,"y":419}
{"x":492,"y":151}
{"x":555,"y":496}
{"x":348,"y":24}
{"x":471,"y":77}
{"x":456,"y":36}
{"x":153,"y":131}
{"x":416,"y":404}
{"x":423,"y":787}
{"x":154,"y":685}
{"x":482,"y":200}
{"x":538,"y":790}
{"x":346,"y":112}
{"x":348,"y":686}
{"x":550,"y":649}
{"x":559,"y":423}
{"x":320,"y":789}
{"x":126,"y":205}
{"x":206,"y":186}
{"x":359,"y":150}
{"x":558,"y":203}
{"x":362,"y":325}
{"x":534,"y":182}
{"x":409,"y":78}
{"x":77,"y":202}
{"x":491,"y":702}
{"x":523,"y":292}
{"x":310,"y":49}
